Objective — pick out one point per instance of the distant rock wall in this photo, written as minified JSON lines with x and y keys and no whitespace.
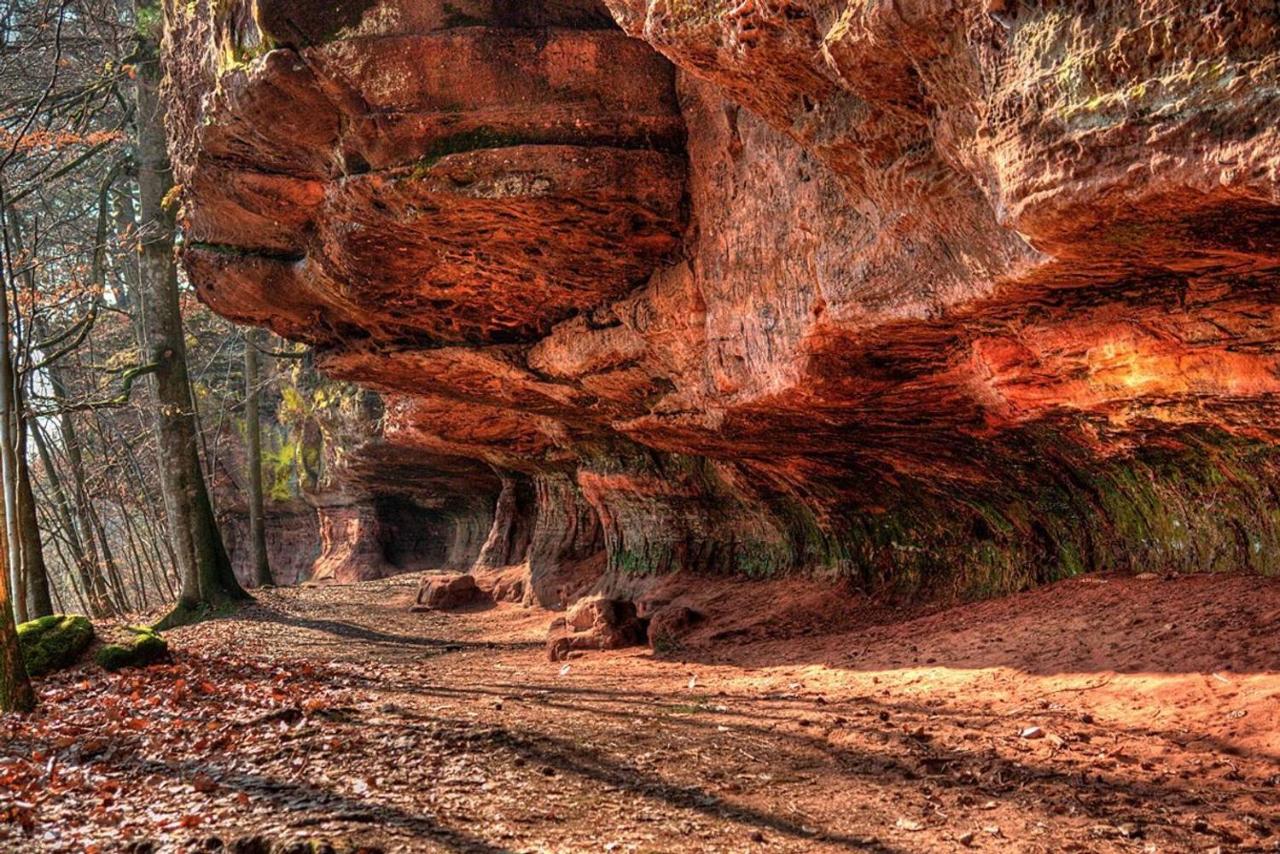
{"x":293,"y":545}
{"x":944,"y":295}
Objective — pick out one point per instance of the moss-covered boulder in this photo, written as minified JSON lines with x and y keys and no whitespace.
{"x":54,"y":642}
{"x":145,"y":647}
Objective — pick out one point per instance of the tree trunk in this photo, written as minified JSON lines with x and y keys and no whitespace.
{"x":253,"y":439}
{"x":22,"y":524}
{"x":9,"y":422}
{"x":12,"y":539}
{"x":15,"y":688}
{"x":207,"y":580}
{"x":39,"y":601}
{"x":110,"y":567}
{"x":90,"y":579}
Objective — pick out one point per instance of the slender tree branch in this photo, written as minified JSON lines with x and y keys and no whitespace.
{"x":129,"y":377}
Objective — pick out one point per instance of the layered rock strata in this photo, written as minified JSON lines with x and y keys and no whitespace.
{"x":950,"y":294}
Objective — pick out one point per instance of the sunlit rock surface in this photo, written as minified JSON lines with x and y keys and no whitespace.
{"x":952,"y":295}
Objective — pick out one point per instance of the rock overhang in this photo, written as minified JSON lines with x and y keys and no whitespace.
{"x":384,"y":182}
{"x":941,"y":264}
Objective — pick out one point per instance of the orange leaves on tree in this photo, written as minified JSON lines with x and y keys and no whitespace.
{"x":56,"y":140}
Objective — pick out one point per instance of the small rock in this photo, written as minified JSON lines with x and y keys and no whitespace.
{"x":1031,"y":732}
{"x":909,"y":825}
{"x":595,"y":622}
{"x":443,"y":592}
{"x":966,"y":838}
{"x":1129,"y":830}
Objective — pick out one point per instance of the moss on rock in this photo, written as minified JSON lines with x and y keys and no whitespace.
{"x":54,"y":642}
{"x":146,"y":647}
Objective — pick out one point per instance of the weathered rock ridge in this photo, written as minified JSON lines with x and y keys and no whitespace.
{"x":950,"y":294}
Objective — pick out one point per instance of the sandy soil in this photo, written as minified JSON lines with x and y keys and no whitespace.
{"x":1102,"y":714}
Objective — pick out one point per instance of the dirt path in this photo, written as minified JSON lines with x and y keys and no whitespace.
{"x":1154,"y":706}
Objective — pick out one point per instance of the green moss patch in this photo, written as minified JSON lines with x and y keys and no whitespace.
{"x":145,"y":647}
{"x":54,"y":642}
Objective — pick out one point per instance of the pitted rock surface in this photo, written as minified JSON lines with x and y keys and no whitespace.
{"x":953,"y":296}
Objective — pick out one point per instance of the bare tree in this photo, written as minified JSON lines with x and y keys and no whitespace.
{"x":207,"y":579}
{"x":253,"y":442}
{"x":97,"y":475}
{"x":15,"y":687}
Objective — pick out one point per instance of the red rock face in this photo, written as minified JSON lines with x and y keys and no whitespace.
{"x":926,"y":294}
{"x":293,"y":544}
{"x":413,"y":181}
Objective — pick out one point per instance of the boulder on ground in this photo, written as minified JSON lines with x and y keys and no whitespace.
{"x":146,"y":646}
{"x":669,"y":626}
{"x":54,"y":642}
{"x":595,"y":623}
{"x":503,"y":583}
{"x":444,"y":592}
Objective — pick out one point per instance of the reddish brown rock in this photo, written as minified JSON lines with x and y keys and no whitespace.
{"x":445,"y":592}
{"x":503,"y":584}
{"x":293,"y":543}
{"x":669,"y":625}
{"x":352,"y":545}
{"x":531,"y":176}
{"x":919,"y":295}
{"x":595,"y":622}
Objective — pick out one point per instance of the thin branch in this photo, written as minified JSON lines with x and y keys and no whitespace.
{"x":129,"y":376}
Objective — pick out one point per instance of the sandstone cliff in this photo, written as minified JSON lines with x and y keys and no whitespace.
{"x":952,"y":295}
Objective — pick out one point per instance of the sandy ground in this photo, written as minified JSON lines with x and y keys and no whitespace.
{"x":1102,"y":714}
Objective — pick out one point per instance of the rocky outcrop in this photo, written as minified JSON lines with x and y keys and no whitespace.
{"x":960,"y":296}
{"x":293,"y":543}
{"x":446,"y":592}
{"x":595,"y":623}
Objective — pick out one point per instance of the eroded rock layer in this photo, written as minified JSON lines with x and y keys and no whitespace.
{"x":955,"y":294}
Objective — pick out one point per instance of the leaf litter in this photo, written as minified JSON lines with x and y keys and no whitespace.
{"x":332,"y":719}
